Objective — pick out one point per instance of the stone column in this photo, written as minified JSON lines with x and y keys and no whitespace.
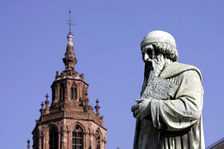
{"x":68,"y":139}
{"x":91,"y":139}
{"x":85,"y":140}
{"x":42,"y":142}
{"x":64,"y":139}
{"x":59,"y":139}
{"x":46,"y":139}
{"x":39,"y":142}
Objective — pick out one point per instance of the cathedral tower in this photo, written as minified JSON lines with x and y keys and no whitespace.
{"x":69,"y":122}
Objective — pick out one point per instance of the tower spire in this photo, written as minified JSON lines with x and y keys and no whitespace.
{"x":69,"y":59}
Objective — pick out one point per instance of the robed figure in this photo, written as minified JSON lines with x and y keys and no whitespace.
{"x":169,"y":111}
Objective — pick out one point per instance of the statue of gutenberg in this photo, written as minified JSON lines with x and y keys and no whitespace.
{"x":169,"y":111}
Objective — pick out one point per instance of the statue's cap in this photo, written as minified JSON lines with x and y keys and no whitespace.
{"x":158,"y":36}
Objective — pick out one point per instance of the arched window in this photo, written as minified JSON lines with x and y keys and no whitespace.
{"x":77,"y":138}
{"x":61,"y":92}
{"x":42,"y":141}
{"x":73,"y":93}
{"x":53,"y":92}
{"x":98,"y":143}
{"x":53,"y":135}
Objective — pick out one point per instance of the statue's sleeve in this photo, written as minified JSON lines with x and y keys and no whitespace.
{"x":184,"y":109}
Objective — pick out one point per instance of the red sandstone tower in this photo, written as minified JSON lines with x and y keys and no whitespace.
{"x":69,"y":122}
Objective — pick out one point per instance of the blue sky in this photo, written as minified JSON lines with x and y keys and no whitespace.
{"x":107,"y":36}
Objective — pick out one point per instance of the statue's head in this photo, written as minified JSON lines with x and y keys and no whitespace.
{"x":157,"y":43}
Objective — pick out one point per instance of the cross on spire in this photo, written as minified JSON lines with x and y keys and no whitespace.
{"x":70,"y":22}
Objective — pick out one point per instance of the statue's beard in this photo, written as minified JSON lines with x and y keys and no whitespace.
{"x":156,"y":65}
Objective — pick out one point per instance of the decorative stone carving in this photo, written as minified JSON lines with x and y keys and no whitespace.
{"x":159,"y":88}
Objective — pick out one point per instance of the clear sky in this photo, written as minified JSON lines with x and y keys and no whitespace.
{"x":107,"y":35}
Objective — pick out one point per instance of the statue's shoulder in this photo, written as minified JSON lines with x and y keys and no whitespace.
{"x":175,"y":69}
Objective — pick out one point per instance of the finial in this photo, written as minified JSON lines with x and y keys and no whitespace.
{"x":47,"y":96}
{"x":46,"y":101}
{"x":97,"y":107}
{"x":70,"y":22}
{"x":28,"y":144}
{"x":56,"y":75}
{"x":42,"y":105}
{"x":42,"y":108}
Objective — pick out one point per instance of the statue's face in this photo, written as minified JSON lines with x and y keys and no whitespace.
{"x":154,"y":58}
{"x":148,"y":53}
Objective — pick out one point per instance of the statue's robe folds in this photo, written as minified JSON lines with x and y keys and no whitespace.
{"x":175,"y":123}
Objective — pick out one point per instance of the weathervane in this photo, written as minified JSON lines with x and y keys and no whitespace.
{"x":70,"y":22}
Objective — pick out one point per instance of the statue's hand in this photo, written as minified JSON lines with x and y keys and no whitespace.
{"x":141,"y":109}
